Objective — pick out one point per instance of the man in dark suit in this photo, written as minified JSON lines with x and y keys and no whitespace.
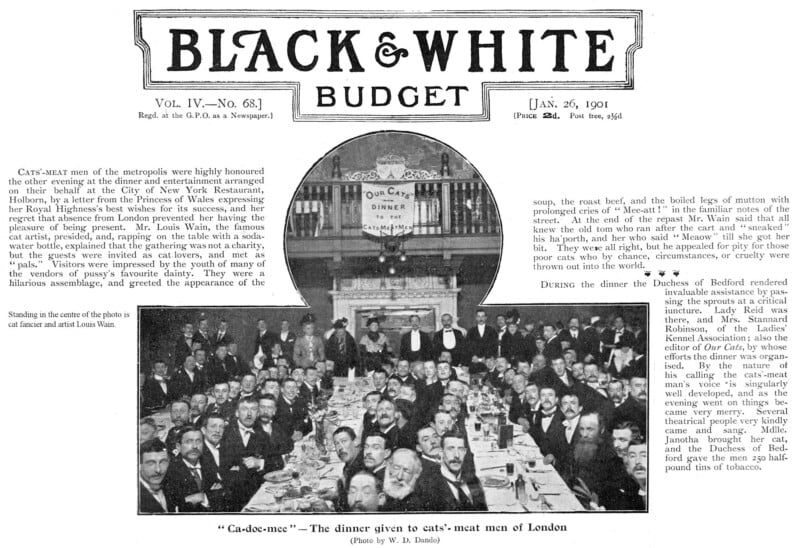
{"x":220,"y":367}
{"x":616,"y":338}
{"x":292,"y":415}
{"x":184,"y":345}
{"x":594,"y":460}
{"x":572,"y":334}
{"x":153,"y":466}
{"x":186,"y":482}
{"x":187,"y":380}
{"x":277,"y":443}
{"x":429,"y":447}
{"x":589,"y":340}
{"x":547,"y":429}
{"x":481,"y":340}
{"x":518,"y":407}
{"x":155,"y":392}
{"x":416,"y":344}
{"x":221,"y":337}
{"x":344,"y":442}
{"x":234,"y":363}
{"x":222,"y":404}
{"x":286,"y":339}
{"x":264,"y":338}
{"x":450,"y":339}
{"x":552,"y":345}
{"x":203,"y":337}
{"x":376,"y":453}
{"x":219,"y":496}
{"x":242,"y":453}
{"x":634,"y":408}
{"x":450,"y":490}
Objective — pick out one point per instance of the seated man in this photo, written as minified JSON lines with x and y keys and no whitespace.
{"x":449,"y":490}
{"x":179,"y":416}
{"x":429,"y":447}
{"x":186,"y":482}
{"x":278,"y":444}
{"x":365,"y":493}
{"x":213,"y":428}
{"x":147,"y":430}
{"x":344,"y":442}
{"x":153,"y":465}
{"x":376,"y":454}
{"x":241,"y":453}
{"x":402,"y":473}
{"x":222,"y":404}
{"x":155,"y":392}
{"x":197,"y":408}
{"x":292,"y":415}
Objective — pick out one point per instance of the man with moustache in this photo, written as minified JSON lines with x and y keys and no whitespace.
{"x":634,"y":408}
{"x":179,"y":417}
{"x":213,"y":427}
{"x":184,"y":345}
{"x":385,"y":422}
{"x":277,"y":443}
{"x":429,"y":447}
{"x":376,"y":454}
{"x":594,"y":461}
{"x":153,"y":465}
{"x":242,"y":450}
{"x":186,"y":482}
{"x":631,"y":493}
{"x":516,"y":407}
{"x":547,"y":428}
{"x":402,"y":473}
{"x":450,"y":490}
{"x":451,"y":339}
{"x":365,"y":493}
{"x":344,"y":442}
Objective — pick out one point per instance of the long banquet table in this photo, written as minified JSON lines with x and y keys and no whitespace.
{"x":550,"y":494}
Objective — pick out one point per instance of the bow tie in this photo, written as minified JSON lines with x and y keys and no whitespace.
{"x":547,"y":415}
{"x":457,"y":482}
{"x":247,"y":431}
{"x":448,"y":330}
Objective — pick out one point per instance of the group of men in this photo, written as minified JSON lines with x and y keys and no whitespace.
{"x":585,"y":408}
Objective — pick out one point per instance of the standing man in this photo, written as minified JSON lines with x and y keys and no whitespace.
{"x":450,"y":339}
{"x":416,"y":344}
{"x":482,"y":341}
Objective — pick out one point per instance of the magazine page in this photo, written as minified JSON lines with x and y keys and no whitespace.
{"x":413,"y":274}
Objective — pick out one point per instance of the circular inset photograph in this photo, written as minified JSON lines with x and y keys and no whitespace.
{"x":393,"y":225}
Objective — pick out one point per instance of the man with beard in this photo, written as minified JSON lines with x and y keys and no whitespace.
{"x":365,"y":493}
{"x":277,"y":443}
{"x":402,"y":474}
{"x":344,"y":442}
{"x":547,"y":429}
{"x":153,"y":466}
{"x":450,"y":489}
{"x":242,"y":451}
{"x":376,"y":453}
{"x":429,"y":447}
{"x":186,"y":482}
{"x":594,"y":461}
{"x":634,"y":408}
{"x":450,"y":339}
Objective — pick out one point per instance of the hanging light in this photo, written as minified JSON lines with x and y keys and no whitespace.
{"x":381,"y":258}
{"x":403,"y":257}
{"x":392,"y":270}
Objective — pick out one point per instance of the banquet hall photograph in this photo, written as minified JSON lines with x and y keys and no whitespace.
{"x":393,"y":406}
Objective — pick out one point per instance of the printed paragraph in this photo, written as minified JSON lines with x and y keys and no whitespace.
{"x":620,"y":233}
{"x":195,"y":227}
{"x":726,"y":365}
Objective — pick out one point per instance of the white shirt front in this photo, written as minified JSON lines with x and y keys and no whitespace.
{"x":449,"y":338}
{"x":415,"y":344}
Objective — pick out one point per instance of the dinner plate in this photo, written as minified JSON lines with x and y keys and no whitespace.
{"x":496,"y":482}
{"x":278,"y":476}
